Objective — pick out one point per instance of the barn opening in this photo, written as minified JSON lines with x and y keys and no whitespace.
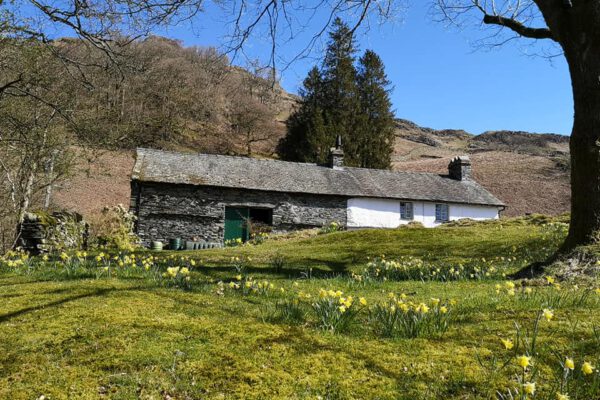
{"x":242,"y":222}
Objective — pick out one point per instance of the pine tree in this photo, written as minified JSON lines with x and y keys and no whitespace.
{"x":376,"y":129}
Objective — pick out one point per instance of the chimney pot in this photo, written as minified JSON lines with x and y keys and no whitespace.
{"x":460,"y":168}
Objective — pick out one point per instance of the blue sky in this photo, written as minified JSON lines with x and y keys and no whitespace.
{"x":440,"y":80}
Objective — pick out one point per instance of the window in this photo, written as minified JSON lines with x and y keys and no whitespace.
{"x":441,"y":212}
{"x":406,"y":211}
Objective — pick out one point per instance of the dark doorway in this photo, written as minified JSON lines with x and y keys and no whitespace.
{"x":262,"y":215}
{"x":244,"y":222}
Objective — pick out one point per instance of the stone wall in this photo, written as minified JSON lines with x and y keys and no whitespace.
{"x":167,"y":211}
{"x":42,"y":232}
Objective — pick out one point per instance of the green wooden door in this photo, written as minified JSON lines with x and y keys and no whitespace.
{"x":235,"y":226}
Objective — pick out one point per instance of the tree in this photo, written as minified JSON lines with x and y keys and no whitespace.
{"x":34,"y":148}
{"x":339,"y":100}
{"x":376,"y":126}
{"x":305,"y":122}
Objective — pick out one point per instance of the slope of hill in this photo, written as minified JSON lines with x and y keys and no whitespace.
{"x":529,"y":172}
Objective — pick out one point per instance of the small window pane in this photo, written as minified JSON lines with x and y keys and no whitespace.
{"x":441,"y":212}
{"x":406,"y":211}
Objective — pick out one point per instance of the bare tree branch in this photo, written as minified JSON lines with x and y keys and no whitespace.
{"x":525,"y":31}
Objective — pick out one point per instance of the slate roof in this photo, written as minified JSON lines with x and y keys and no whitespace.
{"x":291,"y":177}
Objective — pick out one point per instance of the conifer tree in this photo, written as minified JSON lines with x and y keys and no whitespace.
{"x":376,"y":128}
{"x":336,"y":101}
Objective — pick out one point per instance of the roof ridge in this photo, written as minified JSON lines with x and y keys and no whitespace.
{"x":247,"y":158}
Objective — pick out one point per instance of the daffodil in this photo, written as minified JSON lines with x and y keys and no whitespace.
{"x":524,"y":361}
{"x":529,"y":388}
{"x":362,"y":301}
{"x":508,"y":344}
{"x":548,"y":314}
{"x":569,"y":363}
{"x":238,"y":277}
{"x":562,"y":396}
{"x":443,"y":309}
{"x":550,"y":280}
{"x":587,"y":368}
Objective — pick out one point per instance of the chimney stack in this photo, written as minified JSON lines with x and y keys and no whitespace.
{"x":336,"y":154}
{"x":460,"y":168}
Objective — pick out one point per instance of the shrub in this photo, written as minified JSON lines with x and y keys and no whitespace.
{"x":114,"y":228}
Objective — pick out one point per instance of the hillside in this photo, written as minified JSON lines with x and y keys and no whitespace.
{"x":529,"y":172}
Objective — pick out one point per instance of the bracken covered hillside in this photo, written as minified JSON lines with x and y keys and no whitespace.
{"x":529,"y":172}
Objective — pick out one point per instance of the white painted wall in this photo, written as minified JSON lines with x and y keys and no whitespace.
{"x":385,"y":213}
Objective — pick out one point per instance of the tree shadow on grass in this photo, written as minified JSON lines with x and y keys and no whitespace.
{"x":297,"y":271}
{"x":93,"y":293}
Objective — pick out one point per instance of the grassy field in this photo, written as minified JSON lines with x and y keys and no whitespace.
{"x":253,"y":323}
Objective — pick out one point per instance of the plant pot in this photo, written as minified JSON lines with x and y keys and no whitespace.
{"x":175,"y":244}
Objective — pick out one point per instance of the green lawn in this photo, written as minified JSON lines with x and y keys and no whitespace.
{"x":77,"y":336}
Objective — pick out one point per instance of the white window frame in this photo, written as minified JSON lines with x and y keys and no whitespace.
{"x":442,"y":207}
{"x":409,"y":211}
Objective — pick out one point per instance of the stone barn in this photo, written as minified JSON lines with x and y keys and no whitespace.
{"x":217,"y":198}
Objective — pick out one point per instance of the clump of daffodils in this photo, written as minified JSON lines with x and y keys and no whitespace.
{"x":178,"y":277}
{"x":399,"y":316}
{"x":334,"y":311}
{"x":572,"y":379}
{"x":413,"y":268}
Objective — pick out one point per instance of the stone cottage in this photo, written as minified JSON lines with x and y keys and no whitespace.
{"x":217,"y":198}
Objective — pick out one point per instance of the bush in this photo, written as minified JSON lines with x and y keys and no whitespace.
{"x":114,"y":228}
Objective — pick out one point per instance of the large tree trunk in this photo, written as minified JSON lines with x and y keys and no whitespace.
{"x":583,"y":56}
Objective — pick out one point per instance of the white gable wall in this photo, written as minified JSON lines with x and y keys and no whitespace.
{"x":385,"y":213}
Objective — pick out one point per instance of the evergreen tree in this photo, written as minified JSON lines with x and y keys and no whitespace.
{"x":338,"y":100}
{"x":305,"y":124}
{"x":376,"y":138}
{"x":340,"y":95}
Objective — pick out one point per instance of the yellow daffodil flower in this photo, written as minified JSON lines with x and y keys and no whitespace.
{"x":508,"y":344}
{"x":569,"y":363}
{"x":548,"y":314}
{"x":529,"y":388}
{"x":524,"y":361}
{"x":587,"y":368}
